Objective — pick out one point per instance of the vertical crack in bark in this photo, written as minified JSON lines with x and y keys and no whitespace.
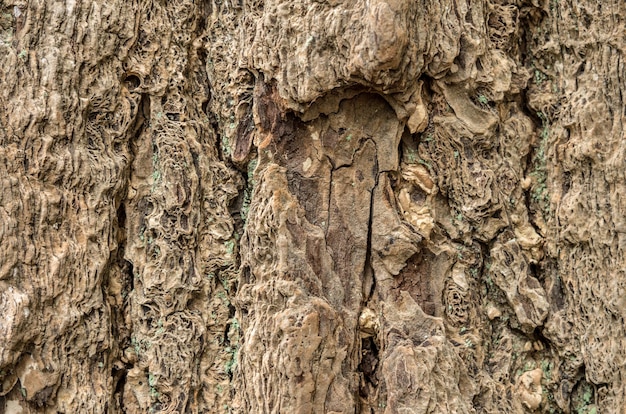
{"x":535,"y":195}
{"x":366,"y":345}
{"x":120,"y":280}
{"x":368,"y":271}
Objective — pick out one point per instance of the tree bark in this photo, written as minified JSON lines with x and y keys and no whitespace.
{"x":298,"y":206}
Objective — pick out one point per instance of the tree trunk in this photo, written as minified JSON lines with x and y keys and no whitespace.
{"x":299,"y":206}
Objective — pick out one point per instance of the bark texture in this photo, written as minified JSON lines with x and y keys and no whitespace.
{"x":304,"y":206}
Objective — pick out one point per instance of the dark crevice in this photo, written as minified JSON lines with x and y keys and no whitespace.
{"x":368,"y":271}
{"x":132,"y":81}
{"x":225,"y":339}
{"x":369,"y":277}
{"x":369,"y":370}
{"x":531,"y":168}
{"x":369,"y":350}
{"x":119,"y":380}
{"x":368,"y":252}
{"x":120,"y":266}
{"x":330,"y":198}
{"x":218,"y":138}
{"x":369,"y":361}
{"x":130,"y":275}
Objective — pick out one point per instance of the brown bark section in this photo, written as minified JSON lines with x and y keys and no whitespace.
{"x":300,"y":206}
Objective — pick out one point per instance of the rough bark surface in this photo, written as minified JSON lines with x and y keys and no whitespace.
{"x":302,"y":206}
